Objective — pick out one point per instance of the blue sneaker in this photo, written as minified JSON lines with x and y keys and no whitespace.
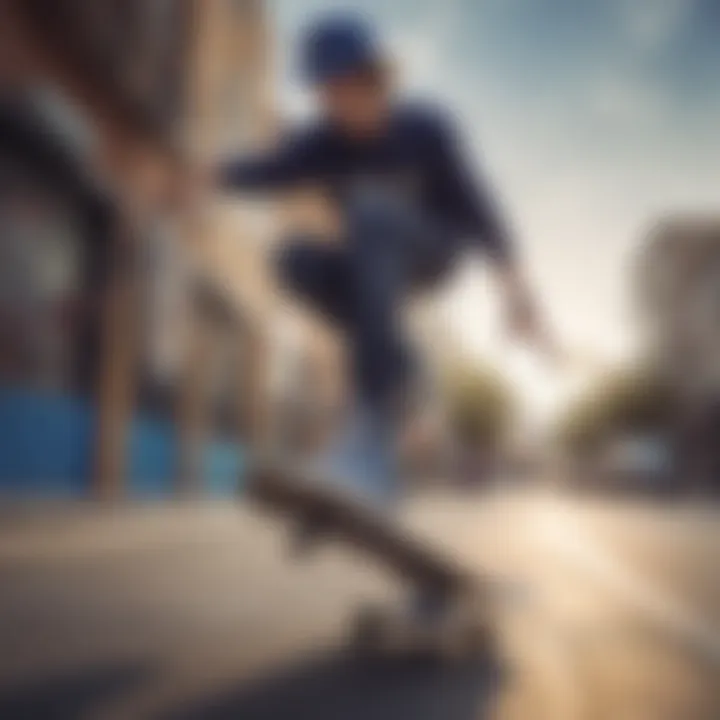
{"x":364,"y":461}
{"x":362,"y":465}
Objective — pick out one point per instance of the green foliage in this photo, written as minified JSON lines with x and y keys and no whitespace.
{"x":624,"y":401}
{"x":479,"y":404}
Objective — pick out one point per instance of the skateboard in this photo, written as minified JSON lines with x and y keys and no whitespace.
{"x":460,"y":627}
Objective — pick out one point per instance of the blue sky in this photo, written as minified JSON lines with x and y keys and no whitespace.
{"x":592,"y":117}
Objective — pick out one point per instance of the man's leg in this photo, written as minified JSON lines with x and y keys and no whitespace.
{"x":320,"y":275}
{"x":361,"y":286}
{"x":392,"y":249}
{"x":389,"y":246}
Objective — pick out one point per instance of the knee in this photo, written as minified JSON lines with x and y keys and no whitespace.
{"x":296,"y":265}
{"x":290,"y":264}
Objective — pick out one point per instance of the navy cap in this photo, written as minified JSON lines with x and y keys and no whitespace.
{"x":337,"y":45}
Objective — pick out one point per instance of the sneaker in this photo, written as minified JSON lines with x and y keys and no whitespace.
{"x":360,"y":465}
{"x":363,"y":459}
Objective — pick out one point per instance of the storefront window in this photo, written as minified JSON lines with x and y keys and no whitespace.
{"x":40,"y":264}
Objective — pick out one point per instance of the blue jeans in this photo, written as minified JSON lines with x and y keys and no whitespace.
{"x":361,"y":283}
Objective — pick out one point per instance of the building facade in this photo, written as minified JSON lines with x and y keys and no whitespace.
{"x":678,"y":284}
{"x":132,"y":330}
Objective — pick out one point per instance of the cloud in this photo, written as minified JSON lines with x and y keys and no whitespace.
{"x":619,"y":100}
{"x":650,"y":25}
{"x":423,"y":47}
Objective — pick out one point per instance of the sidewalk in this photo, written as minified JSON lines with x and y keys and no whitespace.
{"x":44,"y":531}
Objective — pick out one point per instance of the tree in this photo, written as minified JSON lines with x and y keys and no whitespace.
{"x":632,"y":400}
{"x":479,"y":405}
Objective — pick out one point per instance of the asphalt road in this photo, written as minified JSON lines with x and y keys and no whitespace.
{"x":609,"y":611}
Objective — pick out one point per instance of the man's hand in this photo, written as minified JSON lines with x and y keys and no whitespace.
{"x":522,"y":316}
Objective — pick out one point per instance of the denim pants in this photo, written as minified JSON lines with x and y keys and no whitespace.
{"x":362,"y":282}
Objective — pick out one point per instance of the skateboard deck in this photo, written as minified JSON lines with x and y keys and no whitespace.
{"x":286,"y":489}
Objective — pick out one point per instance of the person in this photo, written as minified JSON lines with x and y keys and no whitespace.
{"x":409,"y":202}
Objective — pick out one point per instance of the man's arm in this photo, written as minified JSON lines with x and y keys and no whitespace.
{"x":477,"y":205}
{"x":296,"y":160}
{"x":472,"y":200}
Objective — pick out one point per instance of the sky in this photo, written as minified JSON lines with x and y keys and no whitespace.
{"x":591,"y":118}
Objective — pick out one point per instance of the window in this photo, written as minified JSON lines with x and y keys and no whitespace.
{"x":54,"y":236}
{"x":40,"y":275}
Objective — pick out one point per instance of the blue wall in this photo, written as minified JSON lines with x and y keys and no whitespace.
{"x":47,"y":443}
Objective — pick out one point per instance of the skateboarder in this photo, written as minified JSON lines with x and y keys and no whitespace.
{"x":410,"y":204}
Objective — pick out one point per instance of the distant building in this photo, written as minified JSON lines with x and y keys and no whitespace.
{"x":678,"y":286}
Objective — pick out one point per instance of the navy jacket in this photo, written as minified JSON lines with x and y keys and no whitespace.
{"x":420,"y":152}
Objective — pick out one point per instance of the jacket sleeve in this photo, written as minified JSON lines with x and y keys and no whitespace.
{"x":295,"y":161}
{"x":474,"y":200}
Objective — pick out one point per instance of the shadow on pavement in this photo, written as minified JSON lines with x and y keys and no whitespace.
{"x":70,"y":696}
{"x":351,"y":689}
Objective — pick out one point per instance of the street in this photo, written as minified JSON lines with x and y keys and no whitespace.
{"x":610,"y":610}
